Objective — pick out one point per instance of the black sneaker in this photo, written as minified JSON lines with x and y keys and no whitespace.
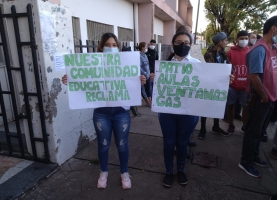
{"x":264,"y":137}
{"x":273,"y":153}
{"x":242,"y":129}
{"x":182,"y":178}
{"x":191,"y":144}
{"x":250,"y":170}
{"x":168,"y":180}
{"x":220,"y":131}
{"x":260,"y":162}
{"x":238,"y":117}
{"x":273,"y":197}
{"x":201,"y":134}
{"x":188,"y":156}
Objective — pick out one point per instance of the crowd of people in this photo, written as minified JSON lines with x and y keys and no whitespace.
{"x":253,"y":86}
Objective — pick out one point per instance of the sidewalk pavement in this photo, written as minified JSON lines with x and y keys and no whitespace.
{"x":18,"y":175}
{"x":77,"y":178}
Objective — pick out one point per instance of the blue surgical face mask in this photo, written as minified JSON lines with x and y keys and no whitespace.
{"x":110,"y":50}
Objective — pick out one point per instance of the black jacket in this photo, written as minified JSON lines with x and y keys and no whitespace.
{"x":152,"y":55}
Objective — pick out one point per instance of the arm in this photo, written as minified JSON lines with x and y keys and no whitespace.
{"x":142,"y":79}
{"x":255,"y":60}
{"x":258,"y":86}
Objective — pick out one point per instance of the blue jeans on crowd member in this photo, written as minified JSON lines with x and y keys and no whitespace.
{"x":176,"y":130}
{"x":117,"y":120}
{"x":151,"y":88}
{"x":259,"y":115}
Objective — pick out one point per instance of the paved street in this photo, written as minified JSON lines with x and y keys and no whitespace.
{"x":77,"y":178}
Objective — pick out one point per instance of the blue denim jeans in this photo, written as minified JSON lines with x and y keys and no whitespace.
{"x":117,"y":120}
{"x":176,"y":130}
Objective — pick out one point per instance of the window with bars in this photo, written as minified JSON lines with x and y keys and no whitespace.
{"x":160,"y":39}
{"x":125,"y":34}
{"x":76,"y":32}
{"x":96,"y":30}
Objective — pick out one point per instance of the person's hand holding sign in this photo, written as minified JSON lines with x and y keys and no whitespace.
{"x":142,"y":79}
{"x":64,"y":79}
{"x":232,"y":77}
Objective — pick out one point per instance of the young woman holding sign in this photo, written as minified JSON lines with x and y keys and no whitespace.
{"x":176,"y":128}
{"x":111,"y":119}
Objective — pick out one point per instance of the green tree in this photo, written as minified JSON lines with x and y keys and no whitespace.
{"x":229,"y":15}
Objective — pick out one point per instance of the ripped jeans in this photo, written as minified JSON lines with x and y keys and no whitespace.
{"x":117,"y":120}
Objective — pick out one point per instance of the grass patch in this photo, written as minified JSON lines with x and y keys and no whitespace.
{"x":204,"y":51}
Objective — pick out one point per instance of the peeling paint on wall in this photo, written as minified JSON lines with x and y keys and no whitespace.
{"x":23,"y":110}
{"x":49,"y":69}
{"x":51,"y":107}
{"x":58,"y":9}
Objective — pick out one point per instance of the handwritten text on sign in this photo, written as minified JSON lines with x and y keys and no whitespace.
{"x":103,"y":79}
{"x":198,"y":89}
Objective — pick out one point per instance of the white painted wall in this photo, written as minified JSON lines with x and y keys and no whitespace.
{"x":112,"y":12}
{"x":158,"y":26}
{"x":65,"y":127}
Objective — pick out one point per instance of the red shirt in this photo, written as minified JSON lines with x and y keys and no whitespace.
{"x":237,"y":57}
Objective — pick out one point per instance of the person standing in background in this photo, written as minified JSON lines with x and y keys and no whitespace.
{"x":215,"y":54}
{"x":144,"y":70}
{"x":237,"y":57}
{"x":252,"y":39}
{"x":152,"y":55}
{"x":262,"y":68}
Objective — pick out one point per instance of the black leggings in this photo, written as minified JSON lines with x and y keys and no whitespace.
{"x":203,"y":122}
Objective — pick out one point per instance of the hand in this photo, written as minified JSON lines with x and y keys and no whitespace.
{"x":232,"y":77}
{"x":142,"y":79}
{"x":264,"y":99}
{"x":152,"y":76}
{"x":64,"y":79}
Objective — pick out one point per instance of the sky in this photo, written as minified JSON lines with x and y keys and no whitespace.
{"x":202,"y":21}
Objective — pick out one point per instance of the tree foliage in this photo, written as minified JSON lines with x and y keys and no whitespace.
{"x":230,"y":15}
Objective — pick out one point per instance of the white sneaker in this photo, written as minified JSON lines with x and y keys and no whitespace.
{"x":126,"y":181}
{"x":102,"y":181}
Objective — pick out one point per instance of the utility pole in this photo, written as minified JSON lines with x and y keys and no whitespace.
{"x":196,"y":22}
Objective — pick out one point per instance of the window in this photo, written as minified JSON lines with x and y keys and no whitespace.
{"x":76,"y":33}
{"x":160,"y":39}
{"x":96,"y":30}
{"x":125,"y":34}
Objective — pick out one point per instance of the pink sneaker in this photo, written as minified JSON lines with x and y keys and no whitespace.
{"x":102,"y":181}
{"x":126,"y":181}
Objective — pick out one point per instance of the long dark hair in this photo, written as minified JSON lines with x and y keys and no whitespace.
{"x":104,"y":39}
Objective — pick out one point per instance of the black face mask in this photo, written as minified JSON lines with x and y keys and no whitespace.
{"x":181,"y":50}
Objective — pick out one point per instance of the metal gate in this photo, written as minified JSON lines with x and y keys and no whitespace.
{"x":14,"y":142}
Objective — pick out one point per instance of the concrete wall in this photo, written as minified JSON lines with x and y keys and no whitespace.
{"x":112,"y":12}
{"x":169,"y":31}
{"x":171,"y":4}
{"x":189,"y":16}
{"x":145,"y":21}
{"x":183,"y":4}
{"x":54,"y":35}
